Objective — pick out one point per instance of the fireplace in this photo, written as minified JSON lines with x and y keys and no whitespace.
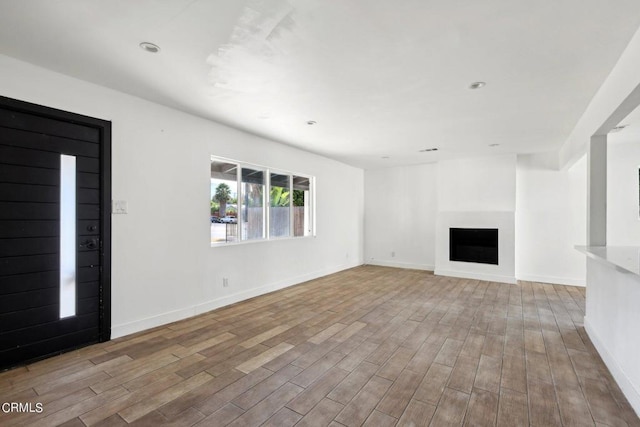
{"x":479,"y":245}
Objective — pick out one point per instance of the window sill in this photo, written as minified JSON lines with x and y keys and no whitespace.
{"x":247,"y":242}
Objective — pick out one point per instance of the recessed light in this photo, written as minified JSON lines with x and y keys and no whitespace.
{"x":150,"y":47}
{"x":426,"y":150}
{"x":311,"y":122}
{"x":477,"y":85}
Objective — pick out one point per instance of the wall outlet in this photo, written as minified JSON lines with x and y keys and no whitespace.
{"x":393,"y":254}
{"x":225,"y":282}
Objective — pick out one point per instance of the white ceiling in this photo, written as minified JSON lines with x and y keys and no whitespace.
{"x":381,"y":78}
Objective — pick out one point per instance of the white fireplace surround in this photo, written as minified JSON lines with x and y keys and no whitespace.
{"x":505,"y":223}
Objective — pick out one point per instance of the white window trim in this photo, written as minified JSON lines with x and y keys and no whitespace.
{"x":267,"y":203}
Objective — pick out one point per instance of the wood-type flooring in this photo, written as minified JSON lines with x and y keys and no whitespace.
{"x":371,"y":346}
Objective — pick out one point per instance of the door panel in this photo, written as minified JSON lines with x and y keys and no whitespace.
{"x":22,"y":120}
{"x":89,"y":195}
{"x":25,"y":317}
{"x":12,"y":192}
{"x":34,"y":246}
{"x":34,"y":298}
{"x":12,"y":155}
{"x":34,"y":142}
{"x":28,"y":282}
{"x":27,"y":175}
{"x":88,"y":274}
{"x":62,"y":342}
{"x":29,"y":210}
{"x":23,"y":229}
{"x":47,"y":143}
{"x":12,"y":266}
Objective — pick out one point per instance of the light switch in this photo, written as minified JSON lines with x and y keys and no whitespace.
{"x":119,"y":207}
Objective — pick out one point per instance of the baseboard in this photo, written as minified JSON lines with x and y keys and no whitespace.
{"x":398,"y":264}
{"x":118,"y":331}
{"x":553,"y":280}
{"x":628,"y":389}
{"x":173,"y":316}
{"x":476,"y":276}
{"x":251,"y":293}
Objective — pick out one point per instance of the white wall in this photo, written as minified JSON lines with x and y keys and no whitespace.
{"x":400,"y":216}
{"x":477,"y":184}
{"x":477,"y":193}
{"x":551,"y":209}
{"x":612,"y":297}
{"x":623,"y":223}
{"x":404,"y":204}
{"x":612,"y":319}
{"x":163,"y":266}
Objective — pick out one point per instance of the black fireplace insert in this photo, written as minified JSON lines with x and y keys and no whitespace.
{"x":478,"y":245}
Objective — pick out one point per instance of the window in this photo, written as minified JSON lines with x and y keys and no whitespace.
{"x":302,"y":205}
{"x":243,"y":210}
{"x":280,"y":205}
{"x":224,"y":201}
{"x":253,"y":216}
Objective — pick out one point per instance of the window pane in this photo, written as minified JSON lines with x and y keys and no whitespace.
{"x":279,"y":196}
{"x":224,"y":201}
{"x":252,"y":217}
{"x":67,"y":236}
{"x":301,"y":206}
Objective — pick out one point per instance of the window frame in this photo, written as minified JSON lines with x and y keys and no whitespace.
{"x":266,"y":200}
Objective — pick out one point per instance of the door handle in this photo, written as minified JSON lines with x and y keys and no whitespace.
{"x":90,"y":244}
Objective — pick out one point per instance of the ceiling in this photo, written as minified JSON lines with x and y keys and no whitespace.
{"x":382,"y":79}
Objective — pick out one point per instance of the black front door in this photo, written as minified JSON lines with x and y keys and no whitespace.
{"x":55,"y":231}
